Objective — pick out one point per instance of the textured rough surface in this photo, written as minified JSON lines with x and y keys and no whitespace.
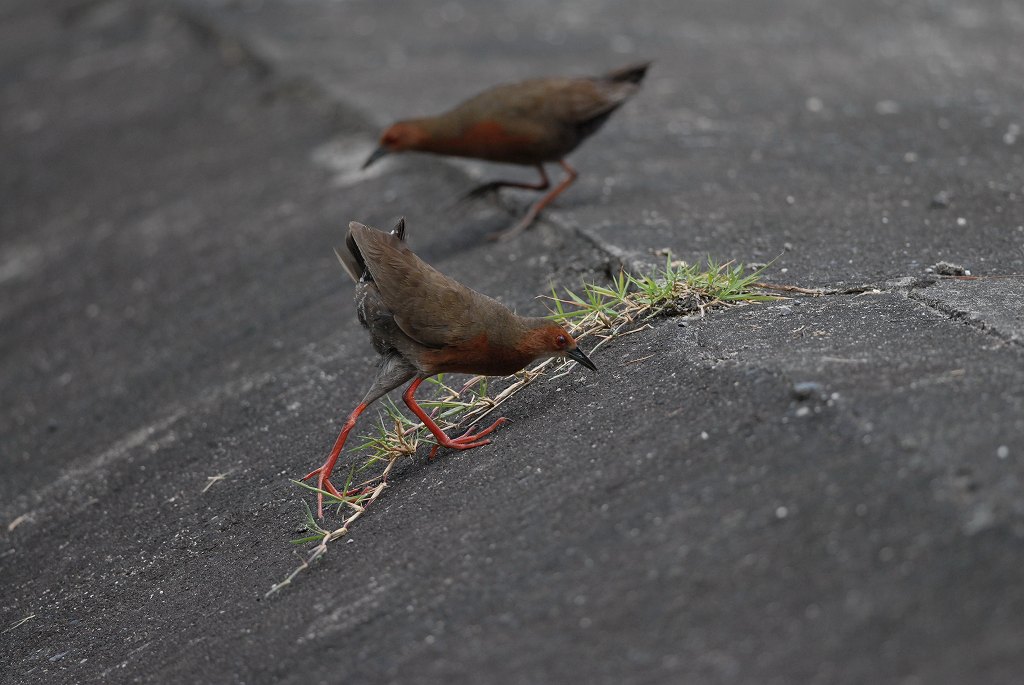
{"x":818,"y":134}
{"x":993,"y":305}
{"x":818,"y":490}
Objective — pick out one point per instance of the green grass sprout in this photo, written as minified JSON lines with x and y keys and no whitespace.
{"x":313,"y":527}
{"x":623,"y":306}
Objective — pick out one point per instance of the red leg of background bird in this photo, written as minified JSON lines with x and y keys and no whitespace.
{"x":324,"y":472}
{"x":485,"y":188}
{"x":464,"y":442}
{"x":535,"y":210}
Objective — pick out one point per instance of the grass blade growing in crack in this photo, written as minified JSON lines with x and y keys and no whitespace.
{"x":623,"y":307}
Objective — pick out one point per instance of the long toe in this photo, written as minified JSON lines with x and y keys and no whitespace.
{"x":469,"y":436}
{"x":467,"y":443}
{"x":491,"y":428}
{"x":327,"y":487}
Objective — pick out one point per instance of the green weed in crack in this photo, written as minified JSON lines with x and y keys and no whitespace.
{"x":623,"y":307}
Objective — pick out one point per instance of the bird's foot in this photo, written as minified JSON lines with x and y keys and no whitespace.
{"x":467,"y":440}
{"x":324,"y":483}
{"x":321,"y":484}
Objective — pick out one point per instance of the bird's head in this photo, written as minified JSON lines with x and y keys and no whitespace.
{"x":554,"y":341}
{"x":405,"y":135}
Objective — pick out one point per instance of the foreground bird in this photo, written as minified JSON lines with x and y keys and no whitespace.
{"x":529,"y":123}
{"x":424,"y":323}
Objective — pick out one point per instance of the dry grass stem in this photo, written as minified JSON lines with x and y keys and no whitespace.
{"x":625,"y":307}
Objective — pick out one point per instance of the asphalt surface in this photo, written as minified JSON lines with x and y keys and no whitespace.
{"x":817,"y":490}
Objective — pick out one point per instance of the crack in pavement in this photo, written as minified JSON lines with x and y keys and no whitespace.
{"x":247,"y":49}
{"x":843,"y":461}
{"x":970,"y":317}
{"x":237,"y":51}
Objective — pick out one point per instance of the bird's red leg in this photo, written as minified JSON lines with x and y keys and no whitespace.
{"x":536,"y":209}
{"x":324,"y":472}
{"x":467,"y":437}
{"x":485,"y":188}
{"x":463,"y":442}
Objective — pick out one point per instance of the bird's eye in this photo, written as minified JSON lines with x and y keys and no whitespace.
{"x":560,"y":341}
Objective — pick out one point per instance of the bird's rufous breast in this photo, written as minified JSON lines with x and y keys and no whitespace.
{"x":488,"y":139}
{"x":476,"y":356}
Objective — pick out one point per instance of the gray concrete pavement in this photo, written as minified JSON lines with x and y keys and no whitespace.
{"x":815,"y":126}
{"x":817,"y":490}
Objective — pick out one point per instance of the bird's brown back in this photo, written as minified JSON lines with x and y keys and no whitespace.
{"x":432,"y":309}
{"x":531,"y":121}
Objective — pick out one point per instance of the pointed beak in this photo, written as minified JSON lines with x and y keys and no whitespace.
{"x":377,"y":154}
{"x":577,"y":355}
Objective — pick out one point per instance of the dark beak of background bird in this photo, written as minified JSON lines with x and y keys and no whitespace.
{"x":377,"y":154}
{"x":583,"y":359}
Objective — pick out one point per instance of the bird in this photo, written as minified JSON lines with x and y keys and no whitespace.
{"x":529,"y":123}
{"x":423,"y":323}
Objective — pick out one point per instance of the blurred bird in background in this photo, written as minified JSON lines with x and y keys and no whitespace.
{"x":529,"y":123}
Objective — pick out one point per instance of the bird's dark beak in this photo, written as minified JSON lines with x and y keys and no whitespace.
{"x":377,"y":154}
{"x":577,"y":355}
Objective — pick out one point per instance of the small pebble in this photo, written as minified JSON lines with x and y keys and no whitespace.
{"x":948,"y":269}
{"x":805,"y":390}
{"x":940,"y":200}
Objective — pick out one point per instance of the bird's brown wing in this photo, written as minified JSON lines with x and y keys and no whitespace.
{"x":568,"y":101}
{"x":582,"y":100}
{"x":429,"y":307}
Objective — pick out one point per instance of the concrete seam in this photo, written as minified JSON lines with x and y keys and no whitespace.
{"x":210,"y":31}
{"x":964,"y":317}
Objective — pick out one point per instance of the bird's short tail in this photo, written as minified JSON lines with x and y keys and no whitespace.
{"x":352,"y":259}
{"x":399,"y":230}
{"x":634,"y":73}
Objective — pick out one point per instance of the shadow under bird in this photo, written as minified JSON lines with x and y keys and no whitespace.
{"x":424,"y":323}
{"x":529,"y":123}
